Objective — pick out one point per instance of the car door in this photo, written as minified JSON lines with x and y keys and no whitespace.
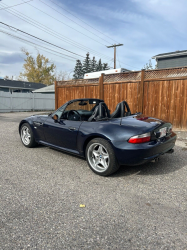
{"x":62,"y":133}
{"x":38,"y":128}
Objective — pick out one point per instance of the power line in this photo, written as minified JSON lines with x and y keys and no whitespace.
{"x":20,"y":38}
{"x":118,"y":59}
{"x":81,"y":20}
{"x":24,"y":40}
{"x":114,"y":46}
{"x":40,"y":39}
{"x":73,"y":21}
{"x":14,"y":5}
{"x":65,"y":24}
{"x":49,"y":31}
{"x":82,"y":47}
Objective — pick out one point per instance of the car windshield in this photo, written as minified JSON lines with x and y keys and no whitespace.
{"x":83,"y":105}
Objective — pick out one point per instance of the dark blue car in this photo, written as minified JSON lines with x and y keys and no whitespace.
{"x":86,"y":128}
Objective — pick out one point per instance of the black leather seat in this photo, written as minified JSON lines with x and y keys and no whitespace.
{"x":120,"y":110}
{"x":103,"y":111}
{"x":94,"y":114}
{"x":100,"y":112}
{"x":117,"y":112}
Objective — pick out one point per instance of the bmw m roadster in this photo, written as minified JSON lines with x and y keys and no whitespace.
{"x":86,"y":128}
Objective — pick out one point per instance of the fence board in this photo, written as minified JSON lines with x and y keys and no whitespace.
{"x":158,"y":93}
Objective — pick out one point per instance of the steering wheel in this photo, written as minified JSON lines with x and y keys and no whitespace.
{"x":73,"y":111}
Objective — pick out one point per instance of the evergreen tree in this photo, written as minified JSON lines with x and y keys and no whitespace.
{"x":93,"y":65}
{"x":105,"y":66}
{"x":86,"y":67}
{"x":78,"y":72}
{"x":99,"y":66}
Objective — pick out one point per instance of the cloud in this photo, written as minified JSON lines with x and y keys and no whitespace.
{"x":146,"y":28}
{"x":10,"y":57}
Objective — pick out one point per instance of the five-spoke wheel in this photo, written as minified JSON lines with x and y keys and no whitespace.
{"x":26,"y":135}
{"x":100,"y":157}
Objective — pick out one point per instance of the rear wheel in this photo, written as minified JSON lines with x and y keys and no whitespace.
{"x":100,"y":157}
{"x":27,"y":136}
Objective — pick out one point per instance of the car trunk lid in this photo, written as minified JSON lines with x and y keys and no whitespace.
{"x":157,"y":128}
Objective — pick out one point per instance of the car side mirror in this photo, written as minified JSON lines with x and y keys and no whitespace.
{"x":55,"y":118}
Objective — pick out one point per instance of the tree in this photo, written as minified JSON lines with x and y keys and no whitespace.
{"x":37,"y":70}
{"x":78,"y":72}
{"x":61,"y":76}
{"x":93,"y":64}
{"x":105,"y":66}
{"x":148,"y":65}
{"x":86,"y":66}
{"x":99,"y":66}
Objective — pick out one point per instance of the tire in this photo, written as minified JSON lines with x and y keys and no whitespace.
{"x":27,"y":136}
{"x":100,"y":157}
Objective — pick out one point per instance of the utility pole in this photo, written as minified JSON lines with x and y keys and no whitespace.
{"x":114,"y":46}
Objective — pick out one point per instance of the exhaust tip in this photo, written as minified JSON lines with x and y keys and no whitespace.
{"x":170,"y":151}
{"x":155,"y":159}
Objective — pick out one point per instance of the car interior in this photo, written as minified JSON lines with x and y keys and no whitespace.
{"x":93,"y":110}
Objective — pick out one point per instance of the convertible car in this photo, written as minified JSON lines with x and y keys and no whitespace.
{"x":86,"y":128}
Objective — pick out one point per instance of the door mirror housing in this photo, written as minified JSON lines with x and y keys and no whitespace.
{"x":55,"y":118}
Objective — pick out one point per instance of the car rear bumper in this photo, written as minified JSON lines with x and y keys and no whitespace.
{"x":136,"y":154}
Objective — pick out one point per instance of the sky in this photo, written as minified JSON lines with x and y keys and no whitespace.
{"x":144,"y":27}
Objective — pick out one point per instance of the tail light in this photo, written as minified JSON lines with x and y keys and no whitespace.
{"x":140,"y":138}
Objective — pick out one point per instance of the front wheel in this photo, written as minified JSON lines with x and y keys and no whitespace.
{"x":27,"y":136}
{"x":100,"y":157}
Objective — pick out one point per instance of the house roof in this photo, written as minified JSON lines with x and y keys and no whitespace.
{"x":50,"y":88}
{"x":20,"y":84}
{"x":171,"y":54}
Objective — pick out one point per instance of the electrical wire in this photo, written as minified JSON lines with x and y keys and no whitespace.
{"x":14,"y":5}
{"x":64,"y":23}
{"x":40,"y":39}
{"x":118,"y":59}
{"x":82,"y":21}
{"x":59,"y":38}
{"x":45,"y":48}
{"x":51,"y":32}
{"x":73,"y":21}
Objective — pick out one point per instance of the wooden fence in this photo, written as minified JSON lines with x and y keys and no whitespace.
{"x":157,"y":93}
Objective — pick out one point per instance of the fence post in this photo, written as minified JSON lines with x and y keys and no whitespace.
{"x":56,"y":96}
{"x":101,"y":87}
{"x":141,"y":100}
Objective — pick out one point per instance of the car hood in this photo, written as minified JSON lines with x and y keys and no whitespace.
{"x":37,"y":117}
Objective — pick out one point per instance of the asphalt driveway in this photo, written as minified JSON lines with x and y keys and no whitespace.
{"x":143,"y":207}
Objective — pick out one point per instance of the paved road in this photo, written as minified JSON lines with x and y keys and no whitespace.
{"x":143,"y":207}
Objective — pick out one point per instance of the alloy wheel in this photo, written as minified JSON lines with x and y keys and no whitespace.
{"x":25,"y":135}
{"x":98,"y":157}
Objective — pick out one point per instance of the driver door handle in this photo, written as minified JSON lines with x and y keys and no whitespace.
{"x":72,"y":128}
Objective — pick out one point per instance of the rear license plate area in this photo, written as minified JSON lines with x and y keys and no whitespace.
{"x":163,"y":132}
